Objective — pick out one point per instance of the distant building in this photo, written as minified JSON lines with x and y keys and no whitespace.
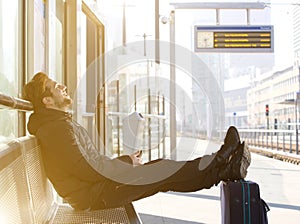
{"x":277,"y":90}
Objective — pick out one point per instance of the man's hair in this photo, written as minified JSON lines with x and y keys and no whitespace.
{"x":35,"y":90}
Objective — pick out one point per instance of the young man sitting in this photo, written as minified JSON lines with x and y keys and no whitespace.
{"x":88,"y":180}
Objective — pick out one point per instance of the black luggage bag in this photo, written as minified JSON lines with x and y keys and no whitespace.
{"x":241,"y":203}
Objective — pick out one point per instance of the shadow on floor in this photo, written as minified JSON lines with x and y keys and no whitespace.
{"x":153,"y":219}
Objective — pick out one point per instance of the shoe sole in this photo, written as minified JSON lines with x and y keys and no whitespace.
{"x":245,"y":161}
{"x":228,"y":136}
{"x":231,"y":142}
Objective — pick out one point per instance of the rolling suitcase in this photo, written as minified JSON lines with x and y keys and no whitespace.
{"x":241,"y":203}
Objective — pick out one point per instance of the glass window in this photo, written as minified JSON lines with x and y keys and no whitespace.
{"x":10,"y":62}
{"x":56,"y":40}
{"x":39,"y":36}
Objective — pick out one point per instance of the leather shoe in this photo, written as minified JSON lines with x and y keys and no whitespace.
{"x":231,"y":142}
{"x":237,"y":165}
{"x":221,"y":157}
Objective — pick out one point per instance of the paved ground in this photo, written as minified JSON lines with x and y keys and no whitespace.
{"x":279,"y":184}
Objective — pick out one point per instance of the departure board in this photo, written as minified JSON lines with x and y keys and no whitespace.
{"x":234,"y":39}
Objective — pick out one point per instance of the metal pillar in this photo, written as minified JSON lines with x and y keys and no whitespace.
{"x":173,"y":128}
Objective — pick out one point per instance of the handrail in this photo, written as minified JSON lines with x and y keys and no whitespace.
{"x":15,"y":103}
{"x":121,"y":114}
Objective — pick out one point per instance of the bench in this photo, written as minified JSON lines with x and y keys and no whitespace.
{"x":27,"y":196}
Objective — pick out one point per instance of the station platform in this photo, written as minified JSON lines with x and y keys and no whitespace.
{"x":279,"y":186}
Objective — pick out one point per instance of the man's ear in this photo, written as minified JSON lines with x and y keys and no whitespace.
{"x":47,"y":100}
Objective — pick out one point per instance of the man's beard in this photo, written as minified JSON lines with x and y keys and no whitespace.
{"x":67,"y":101}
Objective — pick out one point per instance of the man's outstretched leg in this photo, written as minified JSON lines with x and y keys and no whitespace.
{"x":233,"y":169}
{"x":186,"y":176}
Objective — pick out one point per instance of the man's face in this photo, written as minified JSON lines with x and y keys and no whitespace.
{"x":59,"y":99}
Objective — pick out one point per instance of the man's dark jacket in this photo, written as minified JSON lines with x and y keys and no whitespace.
{"x":73,"y":164}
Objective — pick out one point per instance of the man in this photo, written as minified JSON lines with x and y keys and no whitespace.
{"x":88,"y":180}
